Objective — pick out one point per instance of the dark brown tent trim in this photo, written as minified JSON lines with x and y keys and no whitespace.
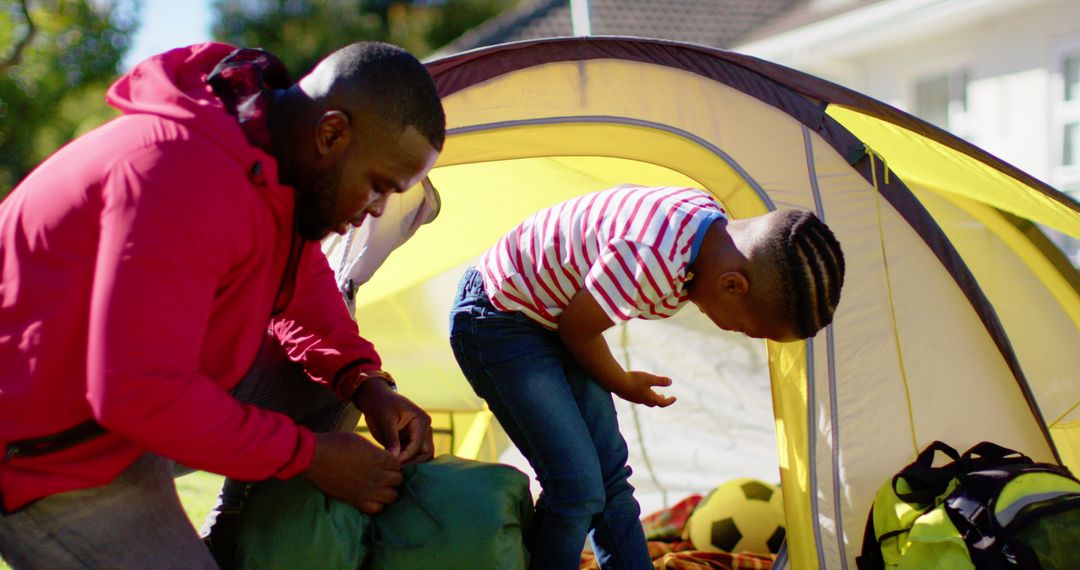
{"x":746,"y":73}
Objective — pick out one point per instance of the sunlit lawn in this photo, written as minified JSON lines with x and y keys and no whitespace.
{"x":197,"y":492}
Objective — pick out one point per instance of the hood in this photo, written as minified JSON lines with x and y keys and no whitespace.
{"x":173,"y":85}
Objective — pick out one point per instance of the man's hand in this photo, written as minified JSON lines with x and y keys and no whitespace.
{"x":351,"y":468}
{"x":639,"y":389}
{"x":395,"y":421}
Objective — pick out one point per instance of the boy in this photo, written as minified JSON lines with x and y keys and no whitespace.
{"x":527,"y":324}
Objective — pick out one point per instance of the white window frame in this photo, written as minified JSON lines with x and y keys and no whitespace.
{"x":1062,"y":112}
{"x":958,"y":79}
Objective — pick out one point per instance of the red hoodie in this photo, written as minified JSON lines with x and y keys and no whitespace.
{"x":138,"y":270}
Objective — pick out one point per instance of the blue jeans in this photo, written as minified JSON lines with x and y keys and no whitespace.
{"x":563,"y":422}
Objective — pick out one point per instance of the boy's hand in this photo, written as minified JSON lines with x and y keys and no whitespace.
{"x":640,"y":389}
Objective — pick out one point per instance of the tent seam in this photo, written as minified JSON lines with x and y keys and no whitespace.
{"x":1062,"y":416}
{"x":815,"y":189}
{"x":892,"y":304}
{"x":624,"y":345}
{"x":811,"y":443}
{"x":731,"y":162}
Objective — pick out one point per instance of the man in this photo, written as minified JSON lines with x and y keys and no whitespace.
{"x":142,"y":266}
{"x":277,"y":383}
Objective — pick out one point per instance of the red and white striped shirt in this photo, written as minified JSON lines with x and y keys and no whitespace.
{"x":629,"y":246}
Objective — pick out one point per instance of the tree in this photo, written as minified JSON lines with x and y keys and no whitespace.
{"x":301,"y":32}
{"x":63,"y":54}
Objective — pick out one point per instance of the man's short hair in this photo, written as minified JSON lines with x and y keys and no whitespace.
{"x":395,"y":83}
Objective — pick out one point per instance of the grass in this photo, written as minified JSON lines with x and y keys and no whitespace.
{"x":197,"y":491}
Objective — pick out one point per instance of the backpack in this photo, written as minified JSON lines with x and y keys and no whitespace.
{"x":991,"y":508}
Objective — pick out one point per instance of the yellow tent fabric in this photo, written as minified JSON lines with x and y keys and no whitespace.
{"x":955,"y":323}
{"x":957,"y":188}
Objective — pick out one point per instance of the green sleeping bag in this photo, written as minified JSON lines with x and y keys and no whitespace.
{"x":452,"y":513}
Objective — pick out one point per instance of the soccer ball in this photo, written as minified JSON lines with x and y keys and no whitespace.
{"x":741,"y":515}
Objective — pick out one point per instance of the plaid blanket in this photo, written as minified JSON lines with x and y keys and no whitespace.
{"x":663,"y":530}
{"x":682,"y":556}
{"x":667,"y":524}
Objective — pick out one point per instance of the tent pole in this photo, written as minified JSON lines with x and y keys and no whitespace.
{"x":474,"y":438}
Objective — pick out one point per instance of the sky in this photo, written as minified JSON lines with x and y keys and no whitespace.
{"x":167,"y":24}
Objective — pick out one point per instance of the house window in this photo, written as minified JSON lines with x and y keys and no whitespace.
{"x":1070,"y":73}
{"x":942,"y":100}
{"x":1065,"y":128}
{"x":1065,"y":115}
{"x":1070,"y":145}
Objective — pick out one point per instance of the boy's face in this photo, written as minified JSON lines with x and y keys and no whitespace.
{"x":733,"y":312}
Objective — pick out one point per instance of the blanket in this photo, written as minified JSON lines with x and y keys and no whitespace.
{"x":668,"y":551}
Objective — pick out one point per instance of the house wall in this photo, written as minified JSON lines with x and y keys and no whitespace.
{"x":1009,"y":51}
{"x":1009,"y":61}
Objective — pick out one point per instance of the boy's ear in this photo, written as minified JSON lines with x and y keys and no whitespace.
{"x":734,"y":282}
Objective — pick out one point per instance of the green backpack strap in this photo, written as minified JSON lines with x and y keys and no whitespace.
{"x":988,"y":455}
{"x":919,"y":483}
{"x":924,"y":482}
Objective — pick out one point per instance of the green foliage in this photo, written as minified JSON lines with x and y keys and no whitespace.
{"x":460,"y":16}
{"x":56,"y":65}
{"x":301,"y":32}
{"x":52,"y":89}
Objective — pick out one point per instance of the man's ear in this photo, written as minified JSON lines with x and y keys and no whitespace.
{"x":734,"y":282}
{"x":332,"y":133}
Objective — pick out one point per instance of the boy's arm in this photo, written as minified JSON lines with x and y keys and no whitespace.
{"x":581,"y":328}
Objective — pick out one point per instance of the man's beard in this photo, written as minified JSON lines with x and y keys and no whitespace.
{"x":315,"y":204}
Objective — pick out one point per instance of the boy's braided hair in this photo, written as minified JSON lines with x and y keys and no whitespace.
{"x":812,"y":270}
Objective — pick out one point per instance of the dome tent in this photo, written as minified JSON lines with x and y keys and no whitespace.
{"x":958,"y":320}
